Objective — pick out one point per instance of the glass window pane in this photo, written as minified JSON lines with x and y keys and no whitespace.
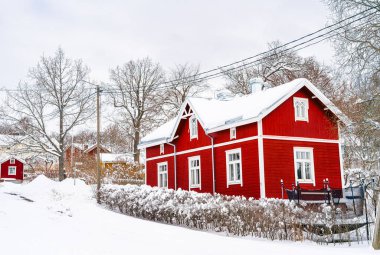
{"x":298,"y":155}
{"x":197,"y":177}
{"x":237,"y":171}
{"x":231,"y":172}
{"x":307,"y":171}
{"x":299,"y":170}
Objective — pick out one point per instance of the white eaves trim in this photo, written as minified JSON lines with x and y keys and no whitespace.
{"x":265,"y":112}
{"x":10,"y":157}
{"x":283,"y":138}
{"x":316,"y":92}
{"x":298,"y":84}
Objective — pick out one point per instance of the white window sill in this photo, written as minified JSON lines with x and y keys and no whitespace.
{"x":234,"y":183}
{"x":306,"y":181}
{"x":306,"y":120}
{"x":195,"y":186}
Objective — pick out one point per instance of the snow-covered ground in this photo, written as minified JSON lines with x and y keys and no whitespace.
{"x":65,"y":219}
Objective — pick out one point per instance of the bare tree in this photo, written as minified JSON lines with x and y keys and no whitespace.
{"x":358,"y":47}
{"x":185,"y":82}
{"x":278,"y":66}
{"x":50,"y":104}
{"x":358,"y":59}
{"x":113,"y":137}
{"x":136,"y":87}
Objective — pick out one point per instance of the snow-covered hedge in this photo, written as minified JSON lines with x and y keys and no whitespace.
{"x":267,"y":218}
{"x":234,"y":215}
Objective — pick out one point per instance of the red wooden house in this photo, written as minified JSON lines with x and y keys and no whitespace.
{"x":246,"y":145}
{"x":11,"y":168}
{"x":81,"y":151}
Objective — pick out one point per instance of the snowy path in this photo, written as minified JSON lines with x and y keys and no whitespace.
{"x":65,"y":220}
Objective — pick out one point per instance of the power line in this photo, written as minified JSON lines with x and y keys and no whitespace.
{"x":281,"y":46}
{"x":304,"y":44}
{"x":221,"y":72}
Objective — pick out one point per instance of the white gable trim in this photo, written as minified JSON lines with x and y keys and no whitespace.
{"x":179,"y":118}
{"x":302,"y":83}
{"x":316,"y":92}
{"x":10,"y":157}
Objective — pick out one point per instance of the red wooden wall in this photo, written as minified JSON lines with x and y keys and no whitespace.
{"x":282,"y":122}
{"x":279,"y":164}
{"x":278,"y":154}
{"x":19,"y":170}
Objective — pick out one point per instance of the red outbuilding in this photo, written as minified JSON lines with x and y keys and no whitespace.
{"x":247,"y":145}
{"x":11,"y":168}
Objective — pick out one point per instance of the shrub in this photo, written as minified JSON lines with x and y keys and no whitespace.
{"x":275,"y":219}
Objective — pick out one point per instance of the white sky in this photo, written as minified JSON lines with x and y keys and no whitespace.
{"x":109,"y":33}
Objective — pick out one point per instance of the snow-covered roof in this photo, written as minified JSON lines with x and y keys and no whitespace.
{"x":92,"y":147}
{"x":5,"y":156}
{"x":116,"y":157}
{"x":79,"y":146}
{"x":160,"y":133}
{"x":215,"y":115}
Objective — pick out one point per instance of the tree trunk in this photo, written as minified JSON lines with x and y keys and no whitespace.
{"x":136,"y":151}
{"x":61,"y":171}
{"x":376,"y":234}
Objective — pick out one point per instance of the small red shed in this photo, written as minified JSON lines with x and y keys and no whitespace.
{"x":11,"y":168}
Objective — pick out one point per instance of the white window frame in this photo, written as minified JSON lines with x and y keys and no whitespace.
{"x":299,"y":101}
{"x":162,"y":148}
{"x":232,"y":133}
{"x":12,"y":161}
{"x":162,"y":172}
{"x":233,"y":182}
{"x":192,"y":185}
{"x":303,"y":161}
{"x":193,"y":132}
{"x":9,"y":170}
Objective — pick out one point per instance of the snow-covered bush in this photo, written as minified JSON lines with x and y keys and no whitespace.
{"x":268,"y":218}
{"x":274,"y":219}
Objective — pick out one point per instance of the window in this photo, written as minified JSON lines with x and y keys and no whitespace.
{"x":162,"y":148}
{"x":11,"y":170}
{"x":193,"y":127}
{"x":195,"y":172}
{"x":234,"y":172}
{"x":304,"y":165}
{"x":12,"y":161}
{"x":162,"y":174}
{"x":301,"y":108}
{"x":233,"y":133}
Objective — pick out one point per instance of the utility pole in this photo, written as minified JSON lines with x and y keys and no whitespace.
{"x":376,"y":236}
{"x":72,"y":157}
{"x":98,"y":142}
